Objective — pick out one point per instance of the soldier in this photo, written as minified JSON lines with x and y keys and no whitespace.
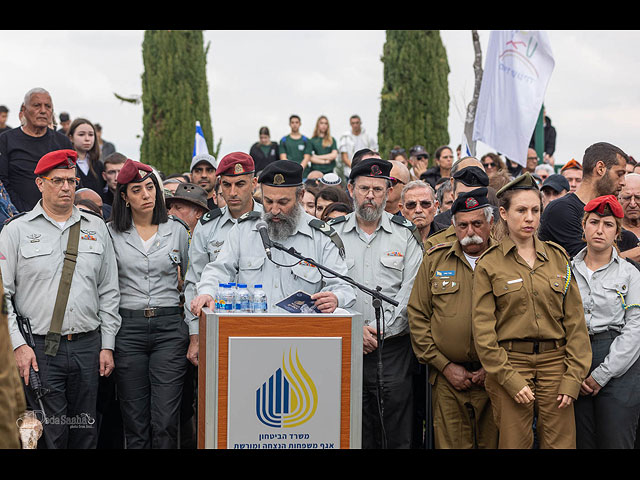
{"x":440,"y":320}
{"x":528,"y":326}
{"x":241,"y":258}
{"x":236,"y":173}
{"x":382,"y":250}
{"x":80,"y":331}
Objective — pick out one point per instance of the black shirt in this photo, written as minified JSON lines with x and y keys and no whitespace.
{"x":19,"y":155}
{"x":260,"y":159}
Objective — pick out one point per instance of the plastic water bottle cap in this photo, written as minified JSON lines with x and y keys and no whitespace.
{"x":257,"y":286}
{"x":242,"y":285}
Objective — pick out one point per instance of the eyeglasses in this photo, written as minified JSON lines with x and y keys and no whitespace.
{"x":422,"y":157}
{"x":396,"y":181}
{"x":377,"y":191}
{"x":59,"y":181}
{"x":424,"y":204}
{"x":489,"y":165}
{"x":627,"y":198}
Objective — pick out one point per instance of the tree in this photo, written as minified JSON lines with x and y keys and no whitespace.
{"x":473,"y":104}
{"x":174,"y":96}
{"x":414,"y":103}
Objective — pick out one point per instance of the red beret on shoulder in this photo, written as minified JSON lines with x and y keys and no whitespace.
{"x":56,"y":159}
{"x":599,"y":204}
{"x":236,"y":163}
{"x":133,"y":172}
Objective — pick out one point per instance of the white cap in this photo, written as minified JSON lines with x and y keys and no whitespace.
{"x":330,"y":179}
{"x":204,"y":157}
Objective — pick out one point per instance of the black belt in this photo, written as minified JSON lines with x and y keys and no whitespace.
{"x":607,"y":334}
{"x":532,"y":346}
{"x":150,"y":312}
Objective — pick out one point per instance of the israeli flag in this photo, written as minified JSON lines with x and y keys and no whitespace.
{"x":199,"y":144}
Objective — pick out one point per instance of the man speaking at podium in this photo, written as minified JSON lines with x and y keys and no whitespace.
{"x":243,"y":260}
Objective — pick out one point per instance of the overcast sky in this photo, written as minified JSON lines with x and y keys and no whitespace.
{"x":259,"y":78}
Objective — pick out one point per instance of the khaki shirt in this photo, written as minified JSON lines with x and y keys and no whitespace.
{"x":389,"y":259}
{"x":512,"y":301}
{"x":32,"y":248}
{"x":242,"y":259}
{"x":440,"y":308}
{"x":206,"y":241}
{"x":447,"y":235}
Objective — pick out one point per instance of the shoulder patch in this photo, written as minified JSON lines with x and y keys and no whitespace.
{"x":337,"y":220}
{"x":11,"y":219}
{"x":210,"y":215}
{"x":250,"y":215}
{"x":329,"y":232}
{"x":438,"y":247}
{"x":179,"y":220}
{"x":558,"y":247}
{"x":403,"y":221}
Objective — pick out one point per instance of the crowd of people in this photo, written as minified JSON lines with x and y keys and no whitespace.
{"x":518,"y":288}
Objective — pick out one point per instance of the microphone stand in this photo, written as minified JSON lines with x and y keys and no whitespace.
{"x":377,"y":299}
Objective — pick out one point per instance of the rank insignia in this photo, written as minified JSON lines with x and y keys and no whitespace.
{"x":278,"y":179}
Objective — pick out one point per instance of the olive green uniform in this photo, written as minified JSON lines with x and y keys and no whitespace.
{"x":439,"y":313}
{"x":529,"y":329}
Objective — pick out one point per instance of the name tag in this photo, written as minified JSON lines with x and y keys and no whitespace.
{"x":445,"y":273}
{"x":514,"y":281}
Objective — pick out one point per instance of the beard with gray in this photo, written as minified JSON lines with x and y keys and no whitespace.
{"x":369,"y":211}
{"x":286,"y":226}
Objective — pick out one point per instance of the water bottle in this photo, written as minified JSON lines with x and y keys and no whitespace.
{"x":243,"y":299}
{"x":259,"y":300}
{"x":227,"y":299}
{"x":218,"y":297}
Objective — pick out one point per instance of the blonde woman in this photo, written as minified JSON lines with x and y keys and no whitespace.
{"x":324,"y":149}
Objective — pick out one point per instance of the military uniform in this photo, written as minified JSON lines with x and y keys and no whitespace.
{"x":446,"y":235}
{"x":32,"y":247}
{"x":529,"y":329}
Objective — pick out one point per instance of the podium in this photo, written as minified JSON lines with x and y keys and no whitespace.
{"x":279,"y":381}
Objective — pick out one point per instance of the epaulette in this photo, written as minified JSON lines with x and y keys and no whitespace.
{"x":177,"y":219}
{"x":438,"y":246}
{"x":329,"y":232}
{"x":336,"y":220}
{"x":488,"y":250}
{"x":210,"y":215}
{"x":11,"y":219}
{"x":83,"y":210}
{"x":250,"y":215}
{"x":558,"y":247}
{"x":406,"y":223}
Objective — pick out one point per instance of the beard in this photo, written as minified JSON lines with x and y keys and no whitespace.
{"x":369,"y":211}
{"x":286,"y":226}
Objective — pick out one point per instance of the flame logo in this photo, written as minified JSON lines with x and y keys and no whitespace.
{"x":289,"y":397}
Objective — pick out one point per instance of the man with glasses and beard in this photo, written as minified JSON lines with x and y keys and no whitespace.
{"x":382,"y":250}
{"x":283,"y":275}
{"x":440,"y":321}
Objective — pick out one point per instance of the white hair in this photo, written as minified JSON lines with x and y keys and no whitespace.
{"x":488,"y":214}
{"x":417,"y":184}
{"x":33,"y":91}
{"x":546,"y":167}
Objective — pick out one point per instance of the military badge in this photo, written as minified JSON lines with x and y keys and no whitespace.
{"x":278,"y":179}
{"x":238,"y":168}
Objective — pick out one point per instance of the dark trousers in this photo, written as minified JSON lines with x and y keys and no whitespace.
{"x":398,"y":368}
{"x":72,"y":379}
{"x":610,"y":418}
{"x":151,"y":363}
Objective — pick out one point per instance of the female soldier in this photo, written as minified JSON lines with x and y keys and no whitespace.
{"x":528,"y":326}
{"x":151,"y":345}
{"x":608,"y":408}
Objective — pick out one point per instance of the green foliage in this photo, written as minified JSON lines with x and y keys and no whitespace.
{"x":174,"y":96}
{"x":414,"y":104}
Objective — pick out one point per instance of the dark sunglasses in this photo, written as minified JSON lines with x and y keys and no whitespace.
{"x":396,"y":181}
{"x":424,"y":204}
{"x":422,"y":157}
{"x":485,"y":165}
{"x":398,"y":151}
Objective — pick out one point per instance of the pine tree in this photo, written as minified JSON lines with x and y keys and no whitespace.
{"x":174,"y":96}
{"x":414,"y":104}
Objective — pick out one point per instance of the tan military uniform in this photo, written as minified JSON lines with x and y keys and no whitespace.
{"x":439,"y":312}
{"x":446,"y":235}
{"x":12,"y":401}
{"x":529,"y":329}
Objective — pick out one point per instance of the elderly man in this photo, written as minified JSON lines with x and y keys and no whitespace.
{"x":441,"y":331}
{"x":88,"y":199}
{"x":188,"y":203}
{"x":419,"y":205}
{"x":382,"y":250}
{"x":22,"y":148}
{"x":543,"y":171}
{"x":630,"y":201}
{"x":572,"y":171}
{"x":74,"y":325}
{"x":287,"y":224}
{"x":400,"y":176}
{"x":203,"y":173}
{"x":236,"y":174}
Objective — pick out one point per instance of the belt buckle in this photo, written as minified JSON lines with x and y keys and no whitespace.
{"x":149,"y":312}
{"x":536,"y":347}
{"x":70,"y":337}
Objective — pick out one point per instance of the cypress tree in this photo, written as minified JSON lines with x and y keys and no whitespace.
{"x":174,"y":96}
{"x":414,"y":104}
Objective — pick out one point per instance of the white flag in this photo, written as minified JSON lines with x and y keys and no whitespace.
{"x":199,"y":144}
{"x":517,"y":70}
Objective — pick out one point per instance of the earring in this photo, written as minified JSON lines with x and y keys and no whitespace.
{"x":126,"y":204}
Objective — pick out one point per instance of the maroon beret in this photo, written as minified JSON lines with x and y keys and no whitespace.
{"x":599,"y":204}
{"x":236,"y":163}
{"x":56,"y":159}
{"x":133,"y":171}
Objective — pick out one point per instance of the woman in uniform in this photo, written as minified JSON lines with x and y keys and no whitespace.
{"x":608,"y":408}
{"x":528,"y":326}
{"x":151,"y":249}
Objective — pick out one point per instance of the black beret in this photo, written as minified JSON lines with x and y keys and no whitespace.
{"x":472,"y":200}
{"x":371,"y":167}
{"x":282,"y":173}
{"x":523,"y":182}
{"x":472,"y":177}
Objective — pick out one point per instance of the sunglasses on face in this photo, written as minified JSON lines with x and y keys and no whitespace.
{"x":422,"y":157}
{"x":489,"y":165}
{"x":396,"y":181}
{"x":424,"y":204}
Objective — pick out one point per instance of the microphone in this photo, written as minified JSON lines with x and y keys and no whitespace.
{"x":261,"y":226}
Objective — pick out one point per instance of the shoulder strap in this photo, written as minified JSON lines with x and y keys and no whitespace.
{"x":437,"y":247}
{"x":329,"y":232}
{"x":52,"y":340}
{"x":336,"y":220}
{"x":179,"y":220}
{"x":210,"y":215}
{"x":406,"y":223}
{"x":250,"y":215}
{"x":11,"y":219}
